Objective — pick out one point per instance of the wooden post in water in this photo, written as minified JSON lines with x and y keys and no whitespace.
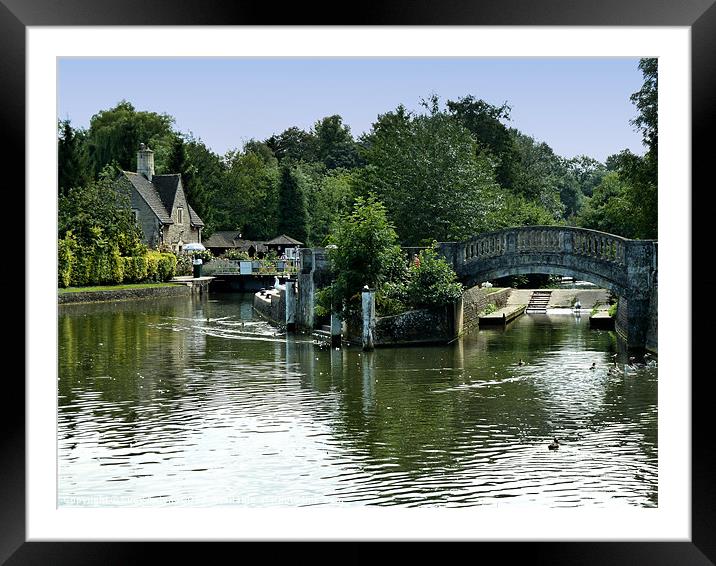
{"x":335,"y":330}
{"x":368,"y":304}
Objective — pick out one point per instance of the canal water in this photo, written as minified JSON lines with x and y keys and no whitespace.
{"x":197,"y":402}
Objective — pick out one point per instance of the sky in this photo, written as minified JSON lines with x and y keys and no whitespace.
{"x":578,"y":106}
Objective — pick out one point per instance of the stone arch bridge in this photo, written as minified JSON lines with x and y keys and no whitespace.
{"x":628,"y":268}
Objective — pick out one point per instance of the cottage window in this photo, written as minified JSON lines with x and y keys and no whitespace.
{"x":180,"y":215}
{"x":135,"y":212}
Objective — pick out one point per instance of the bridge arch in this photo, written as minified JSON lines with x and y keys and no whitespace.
{"x":626,"y":267}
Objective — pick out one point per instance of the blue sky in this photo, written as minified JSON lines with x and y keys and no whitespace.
{"x":576,"y":105}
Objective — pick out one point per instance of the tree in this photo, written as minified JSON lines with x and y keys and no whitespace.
{"x":99,"y":210}
{"x":248,"y":199}
{"x":294,"y":143}
{"x":427,"y":171}
{"x":114,"y":135}
{"x":641,"y":173}
{"x":335,"y":144}
{"x":484,"y":121}
{"x":208,"y":173}
{"x":329,"y":195}
{"x":366,"y":253}
{"x":538,"y":173}
{"x":609,"y":208}
{"x":292,"y":217}
{"x":72,"y":166}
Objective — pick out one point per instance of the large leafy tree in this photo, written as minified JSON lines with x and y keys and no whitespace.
{"x":99,"y":210}
{"x":294,"y":143}
{"x":364,"y":252}
{"x":114,"y":135}
{"x":336,"y":146}
{"x":292,"y":216}
{"x":72,"y":165}
{"x":538,"y":173}
{"x":207,"y":179}
{"x":427,"y":171}
{"x":485,"y":122}
{"x":248,"y":199}
{"x":609,"y":208}
{"x":641,"y":173}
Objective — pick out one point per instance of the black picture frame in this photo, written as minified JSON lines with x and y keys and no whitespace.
{"x":699,"y":15}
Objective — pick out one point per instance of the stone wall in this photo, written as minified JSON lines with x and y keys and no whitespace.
{"x":476,"y":300}
{"x":652,"y":334}
{"x":184,"y":232}
{"x":124,"y":294}
{"x":416,"y":327}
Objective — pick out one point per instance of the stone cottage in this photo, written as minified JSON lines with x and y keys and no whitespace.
{"x":160,"y":206}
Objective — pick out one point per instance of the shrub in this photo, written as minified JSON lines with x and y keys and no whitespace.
{"x":152,"y":259}
{"x":183,"y":264}
{"x":167,"y":266}
{"x":432,"y":283}
{"x":613,"y":309}
{"x":236,"y":255}
{"x":66,"y":259}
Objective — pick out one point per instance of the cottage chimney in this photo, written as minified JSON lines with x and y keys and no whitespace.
{"x":145,"y":162}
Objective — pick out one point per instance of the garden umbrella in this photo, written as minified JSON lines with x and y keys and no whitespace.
{"x":194,"y":247}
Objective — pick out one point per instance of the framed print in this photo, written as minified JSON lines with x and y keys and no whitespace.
{"x":670,"y":521}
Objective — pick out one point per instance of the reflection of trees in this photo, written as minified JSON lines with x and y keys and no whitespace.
{"x":110,"y":352}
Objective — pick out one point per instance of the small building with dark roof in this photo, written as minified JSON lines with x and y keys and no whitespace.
{"x":283,"y":242}
{"x":222,"y":241}
{"x":160,"y":206}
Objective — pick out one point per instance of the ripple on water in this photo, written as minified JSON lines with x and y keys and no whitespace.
{"x":198,"y":405}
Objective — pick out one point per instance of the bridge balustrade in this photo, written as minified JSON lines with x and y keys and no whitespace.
{"x":586,"y":243}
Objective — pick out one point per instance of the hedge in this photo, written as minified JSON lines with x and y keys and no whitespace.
{"x":102,"y":264}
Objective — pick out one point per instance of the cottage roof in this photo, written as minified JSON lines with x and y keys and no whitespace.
{"x":166,"y":186}
{"x":149,"y":193}
{"x":160,"y":194}
{"x":283,"y":240}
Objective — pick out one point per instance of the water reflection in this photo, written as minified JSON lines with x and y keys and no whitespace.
{"x":195,"y":402}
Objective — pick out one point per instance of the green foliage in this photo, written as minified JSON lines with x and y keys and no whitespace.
{"x":432,"y":282}
{"x":427,"y":171}
{"x":538,"y":174}
{"x":248,"y":199}
{"x":335,"y":144}
{"x":294,"y":144}
{"x":489,"y":309}
{"x":613,"y":309}
{"x":292,"y":216}
{"x":183,"y":264}
{"x":323,"y":302}
{"x":99,"y":210}
{"x":236,"y":255}
{"x":610,"y":209}
{"x":114,"y":135}
{"x":204,"y":255}
{"x":204,"y":186}
{"x":484,"y":121}
{"x":366,"y":252}
{"x":66,"y":259}
{"x":72,"y":164}
{"x":100,"y":263}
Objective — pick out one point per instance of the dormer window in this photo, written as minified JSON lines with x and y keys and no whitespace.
{"x":180,"y":215}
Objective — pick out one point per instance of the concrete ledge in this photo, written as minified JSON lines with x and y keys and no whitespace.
{"x":503,"y":315}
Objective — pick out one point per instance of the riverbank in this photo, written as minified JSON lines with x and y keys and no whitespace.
{"x":177,"y":287}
